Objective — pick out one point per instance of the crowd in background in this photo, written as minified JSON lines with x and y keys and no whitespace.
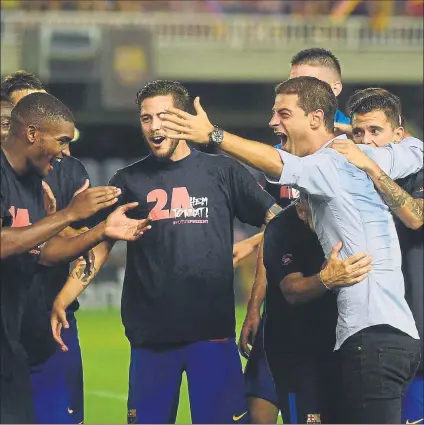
{"x":295,"y":7}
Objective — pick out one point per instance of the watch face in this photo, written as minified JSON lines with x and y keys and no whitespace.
{"x":217,"y":136}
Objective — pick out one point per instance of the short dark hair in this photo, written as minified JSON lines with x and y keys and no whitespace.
{"x":21,"y":80}
{"x":313,"y":94}
{"x":165,"y":88}
{"x":317,"y":56}
{"x":40,"y":108}
{"x":4,"y":97}
{"x":375,"y":98}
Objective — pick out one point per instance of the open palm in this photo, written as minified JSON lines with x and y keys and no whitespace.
{"x":120,"y":227}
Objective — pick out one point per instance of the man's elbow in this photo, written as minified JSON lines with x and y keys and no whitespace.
{"x":290,"y":296}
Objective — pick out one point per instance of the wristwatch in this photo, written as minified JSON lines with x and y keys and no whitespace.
{"x":216,"y":136}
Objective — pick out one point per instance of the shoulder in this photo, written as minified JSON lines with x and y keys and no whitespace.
{"x":71,"y":163}
{"x":138,"y":167}
{"x":285,"y":225}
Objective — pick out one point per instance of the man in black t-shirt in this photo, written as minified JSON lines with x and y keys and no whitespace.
{"x":178,"y":296}
{"x":57,"y":379}
{"x":41,"y":126}
{"x":376,"y":121}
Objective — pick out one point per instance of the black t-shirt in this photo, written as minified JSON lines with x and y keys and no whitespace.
{"x":291,"y":247}
{"x":178,"y":284}
{"x":21,"y":204}
{"x":65,"y":179}
{"x":411,"y":245}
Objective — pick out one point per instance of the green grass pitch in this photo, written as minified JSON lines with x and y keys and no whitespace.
{"x":106,"y":352}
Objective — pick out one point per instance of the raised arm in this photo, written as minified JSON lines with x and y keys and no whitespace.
{"x":79,"y":278}
{"x":407,"y":208}
{"x":17,"y":240}
{"x":117,"y":226}
{"x":196,"y":128}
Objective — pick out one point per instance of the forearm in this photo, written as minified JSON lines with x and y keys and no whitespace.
{"x":298,"y":289}
{"x":62,"y":249}
{"x":258,"y":293}
{"x":258,"y":155}
{"x":81,"y":276}
{"x":18,"y":240}
{"x":254,"y":240}
{"x":407,"y":208}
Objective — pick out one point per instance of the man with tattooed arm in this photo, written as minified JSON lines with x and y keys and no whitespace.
{"x":376,"y":335}
{"x":376,"y":118}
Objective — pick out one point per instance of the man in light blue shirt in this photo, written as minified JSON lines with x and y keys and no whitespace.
{"x":375,"y":324}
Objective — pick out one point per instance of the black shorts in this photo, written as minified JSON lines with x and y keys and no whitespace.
{"x":258,"y":378}
{"x":15,"y":392}
{"x":306,"y":386}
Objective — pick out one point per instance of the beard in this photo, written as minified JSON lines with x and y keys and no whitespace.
{"x":167,"y":154}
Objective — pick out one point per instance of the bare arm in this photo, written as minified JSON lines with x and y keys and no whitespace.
{"x":246,"y":247}
{"x":196,"y":128}
{"x":79,"y":278}
{"x":407,"y":208}
{"x":66,"y":249}
{"x":17,"y":240}
{"x":337,"y":273}
{"x":253,"y":314}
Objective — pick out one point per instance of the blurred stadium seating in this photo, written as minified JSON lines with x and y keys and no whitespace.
{"x":299,"y":7}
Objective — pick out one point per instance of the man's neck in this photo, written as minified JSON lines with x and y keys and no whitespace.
{"x":13,"y":153}
{"x":317,"y":141}
{"x":180,"y":152}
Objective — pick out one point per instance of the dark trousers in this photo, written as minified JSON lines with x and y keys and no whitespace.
{"x":377,"y":364}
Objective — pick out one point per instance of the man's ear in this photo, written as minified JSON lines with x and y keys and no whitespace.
{"x":31,"y":133}
{"x":399,"y":134}
{"x":337,"y":88}
{"x":317,"y":119}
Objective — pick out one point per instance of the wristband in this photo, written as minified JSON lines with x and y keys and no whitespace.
{"x":322,"y":281}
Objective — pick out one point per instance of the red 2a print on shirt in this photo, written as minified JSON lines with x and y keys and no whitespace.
{"x":184,"y":209}
{"x":20,"y":217}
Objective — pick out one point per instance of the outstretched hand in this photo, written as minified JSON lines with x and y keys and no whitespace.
{"x":181,"y":125}
{"x":120,"y":227}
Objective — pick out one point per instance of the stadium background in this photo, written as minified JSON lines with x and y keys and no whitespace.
{"x":95,"y":55}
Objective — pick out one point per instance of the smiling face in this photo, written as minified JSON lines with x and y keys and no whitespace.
{"x":374,"y":129}
{"x":47,"y":144}
{"x":151,"y":111}
{"x":291,"y":123}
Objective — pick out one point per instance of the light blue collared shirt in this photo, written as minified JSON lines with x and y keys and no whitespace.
{"x":346,"y":207}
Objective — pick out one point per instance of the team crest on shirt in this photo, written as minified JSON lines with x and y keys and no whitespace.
{"x":132,"y":416}
{"x":286,"y":259}
{"x":313,"y":418}
{"x":184,"y":209}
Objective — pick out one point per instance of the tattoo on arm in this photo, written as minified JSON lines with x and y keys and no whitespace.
{"x":395,"y":197}
{"x":272,"y":212}
{"x":85,"y":270}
